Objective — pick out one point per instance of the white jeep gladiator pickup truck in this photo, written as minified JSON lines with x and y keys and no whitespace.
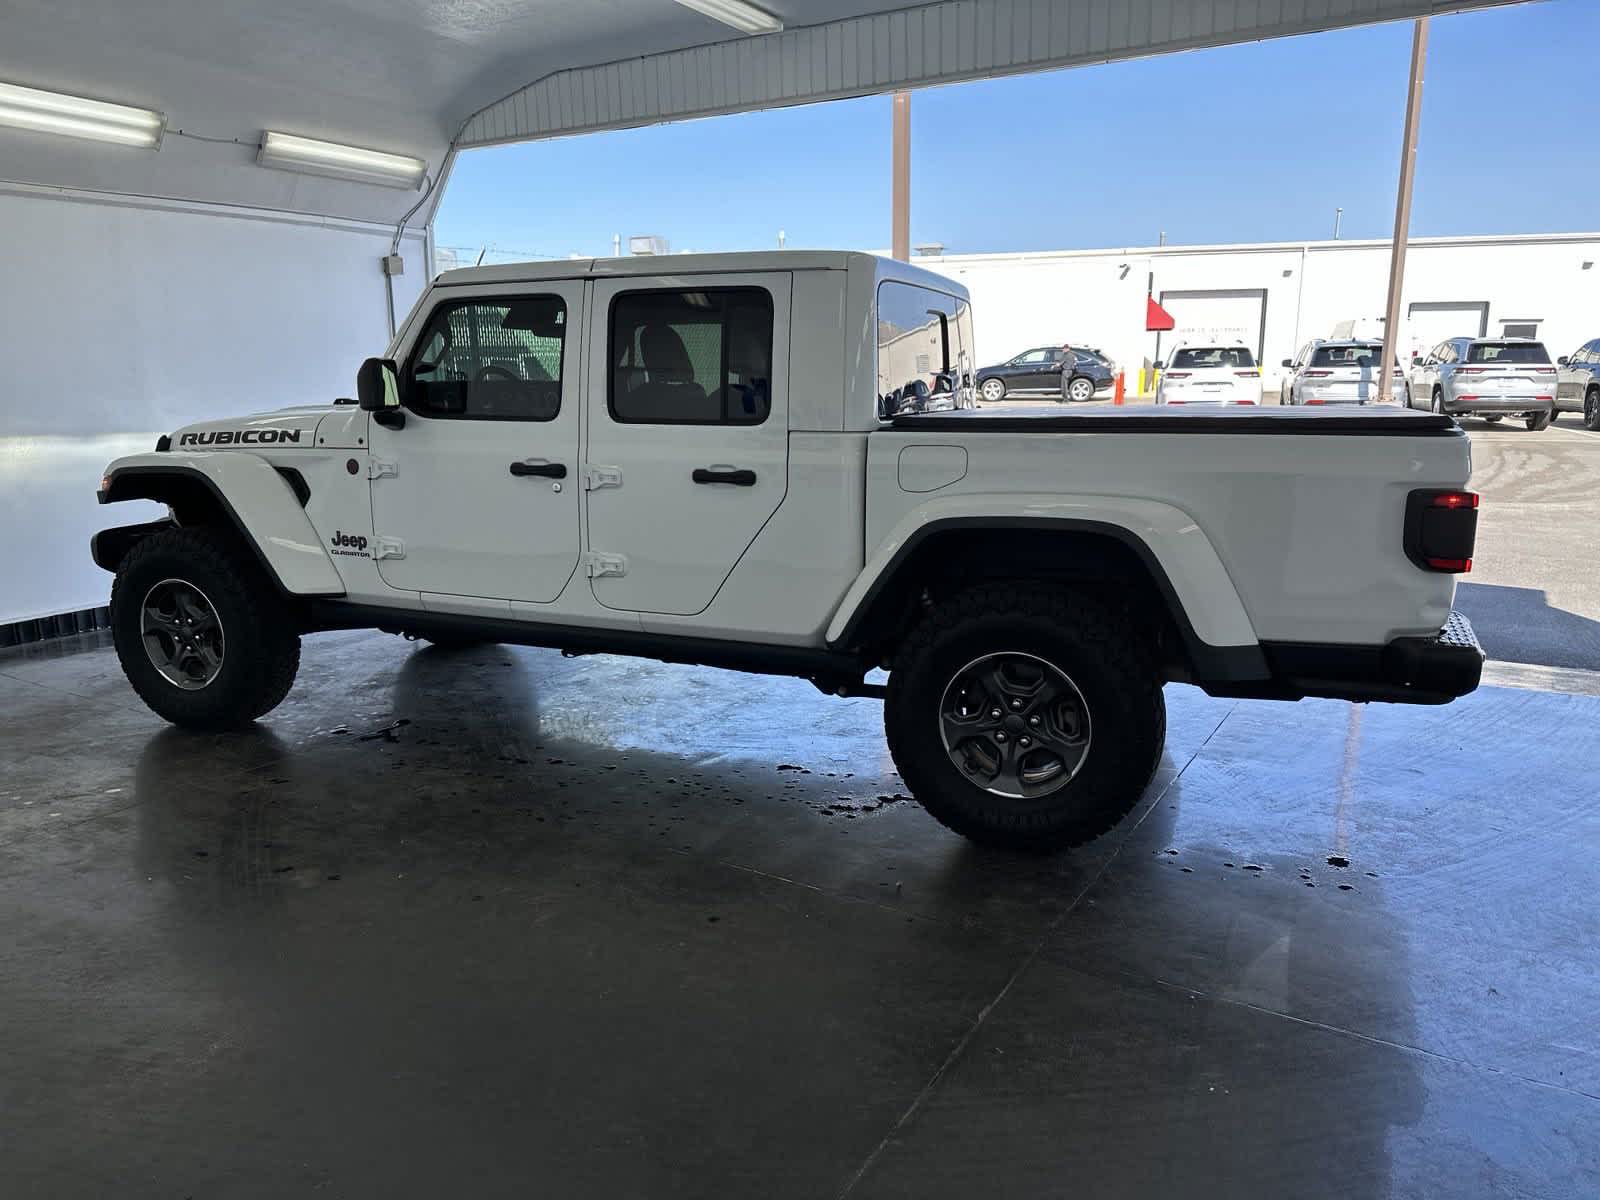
{"x":736,"y":460}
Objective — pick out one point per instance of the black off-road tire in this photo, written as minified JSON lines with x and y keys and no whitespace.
{"x":261,"y":649}
{"x":1537,"y":421}
{"x":1591,"y":409}
{"x":1104,"y":655}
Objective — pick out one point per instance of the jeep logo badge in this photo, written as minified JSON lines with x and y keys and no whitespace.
{"x":348,"y":544}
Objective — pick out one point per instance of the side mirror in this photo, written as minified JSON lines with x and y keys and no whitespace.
{"x":1562,"y":361}
{"x":1288,"y":362}
{"x":378,"y":392}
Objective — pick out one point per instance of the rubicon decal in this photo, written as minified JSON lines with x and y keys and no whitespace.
{"x":349,"y":544}
{"x":240,"y":437}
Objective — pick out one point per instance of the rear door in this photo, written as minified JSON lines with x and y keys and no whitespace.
{"x":687,"y":453}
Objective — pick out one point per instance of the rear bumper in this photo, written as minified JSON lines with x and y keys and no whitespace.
{"x":1408,"y":670}
{"x":1499,"y":404}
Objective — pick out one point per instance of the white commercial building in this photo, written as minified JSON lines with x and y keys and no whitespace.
{"x":1275,"y":296}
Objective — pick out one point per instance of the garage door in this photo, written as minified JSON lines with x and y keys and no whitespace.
{"x":1230,"y":315}
{"x":1429,"y":322}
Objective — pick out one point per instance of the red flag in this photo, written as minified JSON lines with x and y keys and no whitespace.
{"x":1156,"y":318}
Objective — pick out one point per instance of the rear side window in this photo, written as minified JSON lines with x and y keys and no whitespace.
{"x":1213,"y":356}
{"x":925,"y":346}
{"x":691,"y":357}
{"x":490,"y":360}
{"x":1507,"y":352}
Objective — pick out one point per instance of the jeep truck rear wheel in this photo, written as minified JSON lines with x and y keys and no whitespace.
{"x":199,"y":631}
{"x":1026,"y":717}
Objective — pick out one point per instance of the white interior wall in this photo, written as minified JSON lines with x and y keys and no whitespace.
{"x":124,"y":318}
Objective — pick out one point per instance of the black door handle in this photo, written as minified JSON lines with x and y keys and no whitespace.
{"x":740,"y":478}
{"x":548,"y":470}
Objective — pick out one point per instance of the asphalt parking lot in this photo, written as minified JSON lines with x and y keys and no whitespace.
{"x":1534,"y":594}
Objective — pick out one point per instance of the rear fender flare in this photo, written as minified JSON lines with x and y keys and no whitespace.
{"x":258,"y":501}
{"x":1169,"y":541}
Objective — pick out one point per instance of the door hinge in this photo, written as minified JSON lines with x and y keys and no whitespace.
{"x":377,"y":470}
{"x":388,"y":547}
{"x":597,"y":565}
{"x":601,"y":477}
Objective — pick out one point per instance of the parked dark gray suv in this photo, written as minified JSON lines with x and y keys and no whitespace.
{"x":1578,"y":383}
{"x":1037,"y":372}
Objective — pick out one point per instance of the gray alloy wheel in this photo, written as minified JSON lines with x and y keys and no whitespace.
{"x":1080,"y":389}
{"x":1438,"y":401}
{"x":182,"y":634}
{"x":1591,"y":409}
{"x":1015,"y":725}
{"x":994,"y":390}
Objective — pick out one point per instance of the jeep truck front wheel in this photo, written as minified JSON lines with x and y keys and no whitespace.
{"x":199,"y":631}
{"x":1025,"y":717}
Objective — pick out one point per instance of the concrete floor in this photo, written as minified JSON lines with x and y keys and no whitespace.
{"x":597,"y":928}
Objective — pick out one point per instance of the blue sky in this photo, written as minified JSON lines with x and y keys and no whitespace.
{"x":1255,"y":142}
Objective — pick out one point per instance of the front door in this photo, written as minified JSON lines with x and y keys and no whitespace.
{"x":477,"y":494}
{"x":688,"y":443}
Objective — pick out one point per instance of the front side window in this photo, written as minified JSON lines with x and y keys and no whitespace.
{"x":1036,"y":356}
{"x":490,"y":360}
{"x":691,"y":357}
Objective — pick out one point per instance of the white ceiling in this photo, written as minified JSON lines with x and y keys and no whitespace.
{"x":405,"y":75}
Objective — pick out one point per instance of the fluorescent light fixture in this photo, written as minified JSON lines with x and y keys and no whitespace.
{"x":290,"y":152}
{"x":73,"y":116}
{"x":746,"y":18}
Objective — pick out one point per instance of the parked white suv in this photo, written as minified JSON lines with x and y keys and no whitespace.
{"x":720,"y":459}
{"x":1210,"y":374}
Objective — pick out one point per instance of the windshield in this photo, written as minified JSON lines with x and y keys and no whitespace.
{"x":1213,"y":356}
{"x":1507,"y":352}
{"x":1347,"y":356}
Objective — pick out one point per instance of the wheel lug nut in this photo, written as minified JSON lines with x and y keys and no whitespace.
{"x":994,"y":714}
{"x":1016,"y":704}
{"x":1034,"y":721}
{"x":1024,"y":740}
{"x":1000,"y":737}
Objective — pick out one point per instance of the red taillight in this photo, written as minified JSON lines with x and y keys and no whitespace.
{"x":1316,"y":402}
{"x":1248,"y":374}
{"x":1544,"y":397}
{"x":1473,"y":370}
{"x":1466,"y":397}
{"x":1317,"y":374}
{"x":1177,"y":402}
{"x":1176,"y":375}
{"x":1544,"y":370}
{"x":1440,"y":530}
{"x":1241,"y":401}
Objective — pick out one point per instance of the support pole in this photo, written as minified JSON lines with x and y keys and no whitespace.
{"x":1402,"y":212}
{"x":901,"y":216}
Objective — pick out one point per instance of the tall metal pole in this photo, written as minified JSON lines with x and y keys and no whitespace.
{"x":1338,"y":219}
{"x":1402,"y":210}
{"x":902,"y":177}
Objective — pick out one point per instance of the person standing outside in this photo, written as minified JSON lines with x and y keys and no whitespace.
{"x":1069,"y":367}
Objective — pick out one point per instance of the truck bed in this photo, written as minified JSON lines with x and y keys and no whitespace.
{"x":1377,"y":421}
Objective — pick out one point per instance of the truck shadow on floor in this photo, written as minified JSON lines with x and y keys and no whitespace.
{"x":1520,"y":625}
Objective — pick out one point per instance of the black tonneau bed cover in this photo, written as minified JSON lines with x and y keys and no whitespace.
{"x":1374,"y":421}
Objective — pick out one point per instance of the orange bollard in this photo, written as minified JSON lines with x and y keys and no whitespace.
{"x":1117,"y":398}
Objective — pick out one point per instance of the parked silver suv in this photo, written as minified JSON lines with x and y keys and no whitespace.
{"x":1485,"y":377}
{"x":1338,"y":371}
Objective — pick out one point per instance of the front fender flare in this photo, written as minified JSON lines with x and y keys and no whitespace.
{"x":260,"y":503}
{"x":1171,"y":544}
